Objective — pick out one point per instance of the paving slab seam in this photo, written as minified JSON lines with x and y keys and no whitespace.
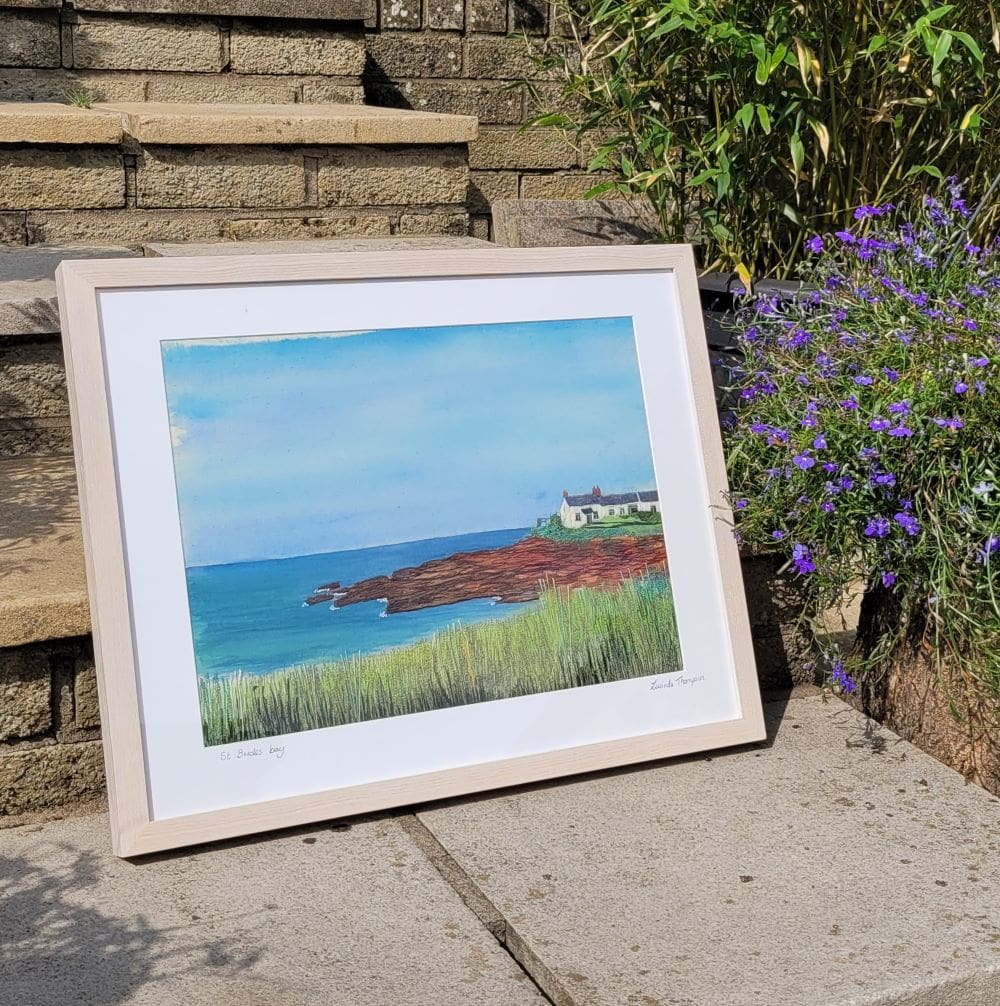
{"x":488,"y":914}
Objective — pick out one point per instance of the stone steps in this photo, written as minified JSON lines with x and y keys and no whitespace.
{"x":132,"y":173}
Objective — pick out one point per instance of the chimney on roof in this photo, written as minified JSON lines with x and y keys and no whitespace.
{"x":565,"y":493}
{"x":596,"y":491}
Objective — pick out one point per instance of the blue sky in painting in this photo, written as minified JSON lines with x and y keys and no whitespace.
{"x":292,"y":446}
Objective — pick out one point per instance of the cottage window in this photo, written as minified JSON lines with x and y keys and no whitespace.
{"x":579,"y":517}
{"x":652,"y":509}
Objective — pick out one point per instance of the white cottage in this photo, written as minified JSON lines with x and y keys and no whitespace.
{"x":594,"y":506}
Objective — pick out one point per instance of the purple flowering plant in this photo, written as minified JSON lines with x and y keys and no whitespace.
{"x":882,"y":467}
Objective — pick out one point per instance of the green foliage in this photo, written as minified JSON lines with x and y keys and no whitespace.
{"x":81,"y":98}
{"x":637,"y":525}
{"x":867,"y":447}
{"x":572,"y":639}
{"x":750,"y":125}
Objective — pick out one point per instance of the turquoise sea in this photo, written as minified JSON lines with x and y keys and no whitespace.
{"x":251,"y":616}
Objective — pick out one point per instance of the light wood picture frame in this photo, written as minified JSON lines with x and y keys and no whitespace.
{"x":367,"y":530}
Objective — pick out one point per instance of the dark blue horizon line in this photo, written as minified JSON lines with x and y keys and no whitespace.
{"x":362,"y":548}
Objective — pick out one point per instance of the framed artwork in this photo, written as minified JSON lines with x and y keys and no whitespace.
{"x":366,"y":530}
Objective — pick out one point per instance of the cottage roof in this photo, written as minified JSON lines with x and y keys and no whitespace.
{"x":613,"y":499}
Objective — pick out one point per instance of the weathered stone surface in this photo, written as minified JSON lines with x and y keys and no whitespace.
{"x":485,"y":187}
{"x":838,"y":866}
{"x":43,"y":588}
{"x":514,"y":148}
{"x":20,"y":438}
{"x":28,"y":289}
{"x":52,"y":775}
{"x":456,"y":224}
{"x":479,"y":227}
{"x":399,"y":13}
{"x":41,"y":122}
{"x":242,"y":924}
{"x":32,"y":3}
{"x":53,"y":177}
{"x":332,"y":92}
{"x":501,"y":59}
{"x":12,"y":230}
{"x":222,"y":88}
{"x":32,"y":380}
{"x":448,"y":15}
{"x":25,"y":693}
{"x":548,"y":223}
{"x":167,"y":250}
{"x":489,"y":102}
{"x":423,"y":55}
{"x":365,"y":176}
{"x":559,"y":186}
{"x":54,"y":85}
{"x":263,"y":48}
{"x":219,"y":176}
{"x":331,"y":125}
{"x":147,"y":43}
{"x":487,"y":16}
{"x":29,"y":38}
{"x":85,"y":703}
{"x":530,"y":17}
{"x":333,"y":10}
{"x":136,"y":227}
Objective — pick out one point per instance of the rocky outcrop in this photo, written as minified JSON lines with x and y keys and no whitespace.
{"x":514,"y":573}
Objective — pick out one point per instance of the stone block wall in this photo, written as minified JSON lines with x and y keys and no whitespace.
{"x":50,"y":747}
{"x":145,"y":51}
{"x":110,"y":195}
{"x":473,"y":57}
{"x":458,"y":56}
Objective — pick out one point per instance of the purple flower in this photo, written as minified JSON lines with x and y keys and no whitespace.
{"x":961,"y":387}
{"x":802,"y":560}
{"x":830,"y":466}
{"x":949,"y":424}
{"x":890,"y":375}
{"x":899,"y":408}
{"x":878,"y":424}
{"x":867,"y":453}
{"x":846,"y":483}
{"x":849,"y":404}
{"x":881,"y":478}
{"x":846,"y":236}
{"x":740,"y":505}
{"x":841,"y":678}
{"x":827,"y":506}
{"x":777,"y":535}
{"x":803,"y":461}
{"x":907,"y":522}
{"x":863,"y":212}
{"x":970,"y":325}
{"x":900,"y":431}
{"x":990,"y":547}
{"x":864,"y":380}
{"x":888,"y":579}
{"x":877,"y":527}
{"x":814,"y":245}
{"x":820,"y":442}
{"x":979,"y":361}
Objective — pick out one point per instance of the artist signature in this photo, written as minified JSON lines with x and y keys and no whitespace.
{"x":256,"y":751}
{"x":678,"y":681}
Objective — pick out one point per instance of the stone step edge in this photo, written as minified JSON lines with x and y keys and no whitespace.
{"x":179,"y":124}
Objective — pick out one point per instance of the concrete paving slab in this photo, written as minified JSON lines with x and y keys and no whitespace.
{"x":569,"y":223}
{"x":838,"y":867}
{"x":28,"y":287}
{"x":319,"y":916}
{"x":43,"y":585}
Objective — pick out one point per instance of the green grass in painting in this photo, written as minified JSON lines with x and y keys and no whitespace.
{"x":573,"y":638}
{"x":634,"y":525}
